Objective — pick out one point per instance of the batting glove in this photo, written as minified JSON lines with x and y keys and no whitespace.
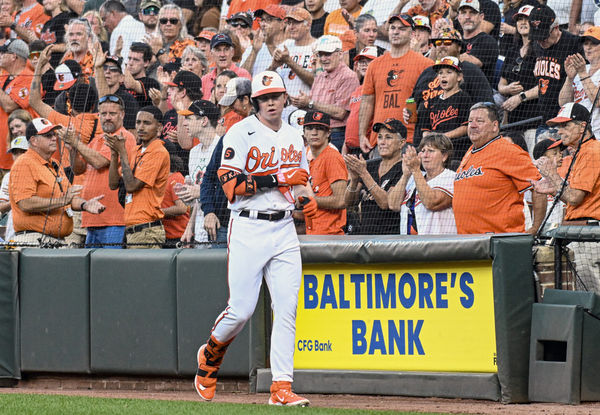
{"x":292,"y":177}
{"x":309,"y":206}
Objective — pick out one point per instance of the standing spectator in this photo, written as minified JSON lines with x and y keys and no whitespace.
{"x":329,"y":177}
{"x":481,"y":48}
{"x":121,"y":24}
{"x":29,"y":21}
{"x":292,"y":59}
{"x":144,"y":174}
{"x":491,"y":180}
{"x":241,"y":24}
{"x":421,"y":42}
{"x":582,"y":81}
{"x":516,"y":77}
{"x":551,"y":48}
{"x":17,"y":123}
{"x":581,"y":191}
{"x":272,"y":32}
{"x":53,"y":31}
{"x":200,"y":121}
{"x":40,"y":193}
{"x":390,"y":80}
{"x":78,"y":37}
{"x":171,"y":38}
{"x":193,"y":60}
{"x":14,"y":93}
{"x":207,"y":15}
{"x":319,"y":16}
{"x":18,"y":147}
{"x":235,"y":103}
{"x":98,"y":29}
{"x":148,"y":15}
{"x":135,"y":79}
{"x":371,"y":181}
{"x":382,"y":11}
{"x":176,"y":212}
{"x":361,"y":64}
{"x":221,"y":48}
{"x":107,"y":229}
{"x":432,"y":9}
{"x":331,"y":88}
{"x":337,"y":22}
{"x":424,"y":198}
{"x":365,"y":27}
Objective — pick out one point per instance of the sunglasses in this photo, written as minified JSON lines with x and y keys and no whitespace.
{"x":445,"y":42}
{"x":150,"y":11}
{"x":112,"y":68}
{"x":35,"y":55}
{"x":243,"y":25}
{"x":517,"y":67}
{"x":172,"y":20}
{"x":110,"y":98}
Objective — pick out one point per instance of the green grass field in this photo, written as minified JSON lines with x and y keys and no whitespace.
{"x":24,"y":404}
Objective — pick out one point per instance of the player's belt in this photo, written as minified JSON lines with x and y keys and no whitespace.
{"x":582,"y":222}
{"x":264,"y":216}
{"x":142,"y":226}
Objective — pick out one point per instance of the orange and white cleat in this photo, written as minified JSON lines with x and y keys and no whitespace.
{"x":281,"y":394}
{"x":205,"y":381}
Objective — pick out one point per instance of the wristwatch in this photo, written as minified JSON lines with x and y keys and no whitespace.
{"x":523,"y":96}
{"x":311,"y":104}
{"x":160,"y":52}
{"x":13,"y":26}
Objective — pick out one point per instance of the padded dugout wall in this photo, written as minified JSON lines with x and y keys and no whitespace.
{"x":10,"y":367}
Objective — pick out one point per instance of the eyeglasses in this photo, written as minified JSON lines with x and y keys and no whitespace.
{"x":242,"y":25}
{"x":111,"y":98}
{"x":172,"y":20}
{"x":150,"y":11}
{"x":35,"y":55}
{"x":445,"y":42}
{"x":111,"y":68}
{"x":517,"y":67}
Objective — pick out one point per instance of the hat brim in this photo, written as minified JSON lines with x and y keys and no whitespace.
{"x":221,"y":42}
{"x":227,"y":100}
{"x":171,"y":83}
{"x":444,"y":65}
{"x":464,"y":6}
{"x":378,"y":126}
{"x":268,"y":91}
{"x":185,"y":113}
{"x":48,"y":129}
{"x":403,"y":21}
{"x":557,"y":143}
{"x":61,"y":86}
{"x":594,"y":40}
{"x":357,"y":57}
{"x":315,"y":123}
{"x":558,"y":120}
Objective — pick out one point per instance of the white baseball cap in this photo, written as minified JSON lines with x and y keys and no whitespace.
{"x":474,"y":4}
{"x":267,"y":82}
{"x":19,"y":142}
{"x":236,"y":87}
{"x":296,"y":119}
{"x":328,"y":44}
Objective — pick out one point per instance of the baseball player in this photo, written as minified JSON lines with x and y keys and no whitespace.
{"x":263,"y":172}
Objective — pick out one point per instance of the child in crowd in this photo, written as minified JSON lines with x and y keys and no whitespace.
{"x":552,"y":150}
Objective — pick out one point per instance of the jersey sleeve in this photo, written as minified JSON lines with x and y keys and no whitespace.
{"x":519,"y":167}
{"x":22,"y":184}
{"x":336,"y":168}
{"x":586,"y":171}
{"x":369,"y":81}
{"x":235,"y":149}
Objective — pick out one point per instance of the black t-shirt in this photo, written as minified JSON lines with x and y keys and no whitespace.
{"x":131,"y":107}
{"x":485,"y":48}
{"x":170,"y":123}
{"x":506,"y":41}
{"x":374,"y":220}
{"x":53,"y":32}
{"x":318,"y":26}
{"x":491,"y":13}
{"x":448,"y":114}
{"x":517,"y":68}
{"x":143,"y":99}
{"x":550,"y":72}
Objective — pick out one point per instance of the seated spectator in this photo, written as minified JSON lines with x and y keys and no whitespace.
{"x":490,"y":12}
{"x":432,"y":9}
{"x":508,"y":25}
{"x":175,"y":211}
{"x":319,"y":17}
{"x":331,"y":90}
{"x":371,"y":181}
{"x":235,"y":103}
{"x":221,"y":85}
{"x":481,"y":48}
{"x":203,"y":43}
{"x":172,"y":38}
{"x":18,"y":147}
{"x":491,"y":179}
{"x":270,"y":35}
{"x":193,"y":60}
{"x":221,"y":48}
{"x":517,"y":73}
{"x":337,"y":22}
{"x":123,"y":28}
{"x":583,"y":79}
{"x":40,"y":193}
{"x":424,"y":198}
{"x":365,"y":27}
{"x":329,"y":177}
{"x":98,"y":29}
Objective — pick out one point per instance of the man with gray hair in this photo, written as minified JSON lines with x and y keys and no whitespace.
{"x":77,"y":36}
{"x":121,"y":24}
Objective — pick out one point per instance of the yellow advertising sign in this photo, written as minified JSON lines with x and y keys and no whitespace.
{"x":397,"y":317}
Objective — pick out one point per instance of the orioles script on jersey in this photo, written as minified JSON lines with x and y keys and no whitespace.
{"x":290,"y":157}
{"x":443,"y":115}
{"x":470,"y":172}
{"x":547,"y":67}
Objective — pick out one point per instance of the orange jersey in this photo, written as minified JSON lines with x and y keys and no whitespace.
{"x":174,"y":227}
{"x":432,"y":15}
{"x":95,"y":183}
{"x":230,"y":118}
{"x":327,"y":168}
{"x":151,"y":167}
{"x":33,"y":19}
{"x":392,"y":80}
{"x":489,"y":187}
{"x":30,"y":176}
{"x":18,"y":91}
{"x":335,"y":24}
{"x":177,"y":48}
{"x":237,"y":6}
{"x":585,"y":176}
{"x":87,"y":64}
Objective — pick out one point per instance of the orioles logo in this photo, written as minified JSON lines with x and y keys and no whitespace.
{"x":543,"y":85}
{"x":300,"y":120}
{"x":23,"y":92}
{"x":318,"y":116}
{"x":61,"y":77}
{"x":535,"y":23}
{"x":267,"y":80}
{"x":44,"y":121}
{"x":291,"y":75}
{"x":393,"y":77}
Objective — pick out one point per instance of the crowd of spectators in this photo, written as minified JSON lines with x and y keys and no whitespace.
{"x":419,"y":116}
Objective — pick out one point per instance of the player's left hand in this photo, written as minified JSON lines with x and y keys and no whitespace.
{"x":308,"y":205}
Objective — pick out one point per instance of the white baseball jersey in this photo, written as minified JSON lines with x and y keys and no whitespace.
{"x":430,"y":222}
{"x":250,"y":147}
{"x":199,"y":159}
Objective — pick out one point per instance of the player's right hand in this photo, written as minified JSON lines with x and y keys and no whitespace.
{"x":292,"y":177}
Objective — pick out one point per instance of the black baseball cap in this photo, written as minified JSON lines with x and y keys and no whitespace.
{"x":570,"y":112}
{"x":316,"y":118}
{"x":186,"y":80}
{"x":545,"y":145}
{"x":220,"y":38}
{"x":393,"y":125}
{"x":540,"y":20}
{"x":405,"y":19}
{"x":202,"y":108}
{"x":117,"y":60}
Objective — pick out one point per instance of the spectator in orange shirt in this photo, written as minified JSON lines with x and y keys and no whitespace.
{"x":433,"y":9}
{"x":28,"y":22}
{"x":77,"y":36}
{"x":144,"y":174}
{"x":337,"y":22}
{"x":329,"y":177}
